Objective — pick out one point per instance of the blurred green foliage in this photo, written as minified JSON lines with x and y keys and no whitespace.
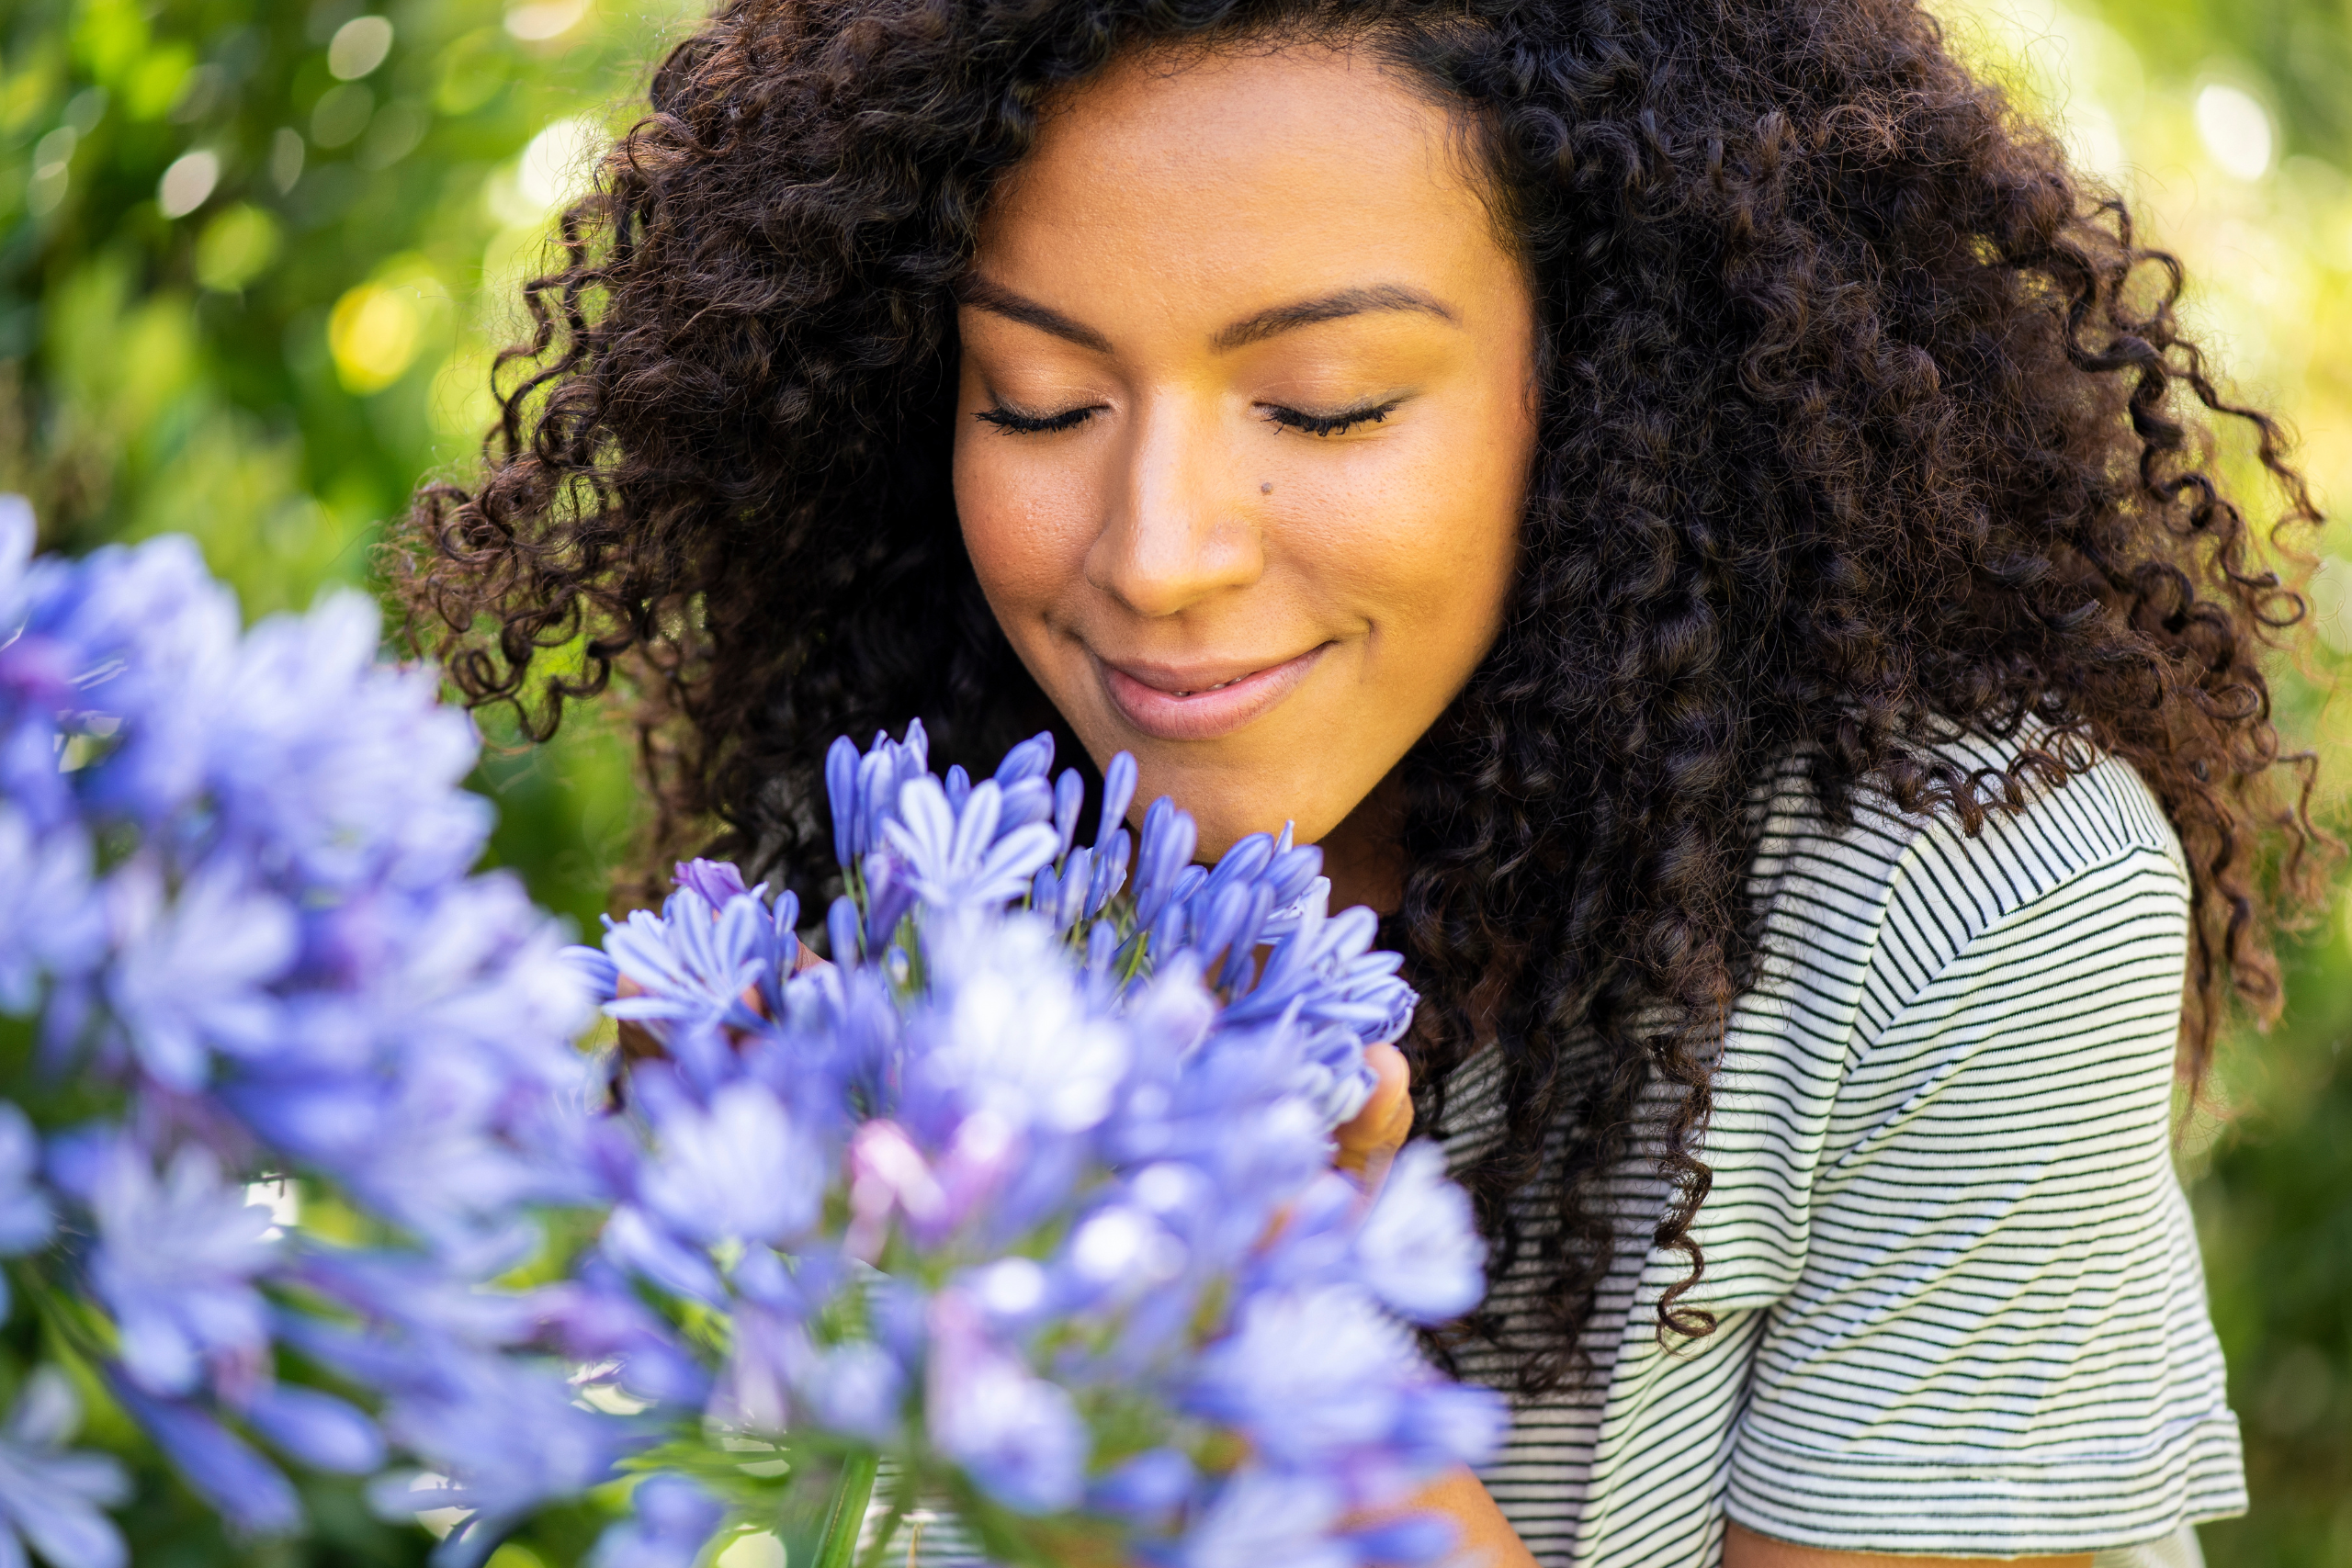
{"x":254,"y":255}
{"x":2228,"y":123}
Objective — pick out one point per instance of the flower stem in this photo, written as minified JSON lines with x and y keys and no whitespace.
{"x":851,"y":1494}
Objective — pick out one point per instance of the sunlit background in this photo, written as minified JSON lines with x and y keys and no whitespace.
{"x":254,"y":255}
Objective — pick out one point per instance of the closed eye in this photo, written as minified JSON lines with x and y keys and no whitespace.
{"x":1329,"y":424}
{"x":1015,"y":421}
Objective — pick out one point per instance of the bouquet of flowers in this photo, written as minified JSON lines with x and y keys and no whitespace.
{"x":1019,"y":1211}
{"x":240,"y":942}
{"x":1027,"y":1197}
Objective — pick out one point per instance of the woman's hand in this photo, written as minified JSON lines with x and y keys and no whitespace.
{"x":1369,"y":1142}
{"x":637,"y":1044}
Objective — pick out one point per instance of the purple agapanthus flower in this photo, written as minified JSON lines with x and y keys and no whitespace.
{"x":957,"y":858}
{"x":1417,"y":1250}
{"x":178,"y":1255}
{"x":737,"y":1170}
{"x":505,"y":1437}
{"x":195,"y":968}
{"x":1018,"y":1435}
{"x":27,"y":1218}
{"x":320,"y":1430}
{"x":52,"y":1498}
{"x":1067,"y":1151}
{"x":670,"y":1518}
{"x":245,"y":1488}
{"x":53,"y":922}
{"x":236,"y":899}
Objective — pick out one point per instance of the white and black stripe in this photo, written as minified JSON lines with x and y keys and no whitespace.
{"x":1961,"y":1305}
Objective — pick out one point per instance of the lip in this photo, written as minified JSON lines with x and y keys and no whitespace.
{"x":1146,"y":694}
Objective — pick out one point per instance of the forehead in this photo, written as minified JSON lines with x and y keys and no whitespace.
{"x":1237,"y":176}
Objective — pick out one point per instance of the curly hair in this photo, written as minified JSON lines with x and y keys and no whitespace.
{"x":1864,"y":421}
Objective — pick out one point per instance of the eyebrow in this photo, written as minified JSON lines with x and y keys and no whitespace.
{"x":1330,"y":308}
{"x":998,"y":300}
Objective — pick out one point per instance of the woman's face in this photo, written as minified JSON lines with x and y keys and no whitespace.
{"x":1246,"y":417}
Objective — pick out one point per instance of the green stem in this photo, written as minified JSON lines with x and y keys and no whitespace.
{"x":31,"y":1285}
{"x":851,"y":1494}
{"x":895,"y":1513}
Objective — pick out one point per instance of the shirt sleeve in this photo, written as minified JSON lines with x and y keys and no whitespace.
{"x":1998,"y":1342}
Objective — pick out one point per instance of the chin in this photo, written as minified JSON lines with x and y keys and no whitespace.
{"x":1225,"y":815}
{"x":1221,"y":831}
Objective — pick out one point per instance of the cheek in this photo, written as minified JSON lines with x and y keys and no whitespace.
{"x":1023,"y":524}
{"x":1423,"y":546}
{"x":1464,"y":531}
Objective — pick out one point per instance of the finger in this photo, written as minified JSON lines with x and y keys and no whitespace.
{"x":803,"y":960}
{"x":1372,"y":1137}
{"x":1387,"y":1112}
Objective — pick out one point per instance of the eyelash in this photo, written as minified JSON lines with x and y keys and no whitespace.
{"x":1014,"y":422}
{"x":1329,"y":424}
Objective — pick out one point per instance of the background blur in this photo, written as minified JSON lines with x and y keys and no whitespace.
{"x":254,"y":255}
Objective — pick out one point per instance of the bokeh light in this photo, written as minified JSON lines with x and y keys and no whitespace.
{"x":2235,"y":128}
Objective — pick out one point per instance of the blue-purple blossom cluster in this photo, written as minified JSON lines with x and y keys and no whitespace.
{"x":238,"y":937}
{"x":905,"y":839}
{"x":1027,"y":1194}
{"x":1030,"y":1192}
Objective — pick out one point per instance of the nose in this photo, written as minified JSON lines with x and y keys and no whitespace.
{"x":1177,"y":531}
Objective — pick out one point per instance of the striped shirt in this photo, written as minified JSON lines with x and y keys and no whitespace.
{"x":1958,"y":1300}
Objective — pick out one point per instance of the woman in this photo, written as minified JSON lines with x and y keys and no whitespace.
{"x":1689,"y":502}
